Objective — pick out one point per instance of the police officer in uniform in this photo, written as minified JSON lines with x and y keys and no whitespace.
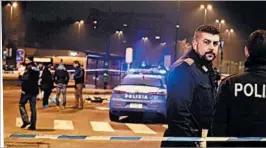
{"x":241,"y":107}
{"x":29,"y":91}
{"x":191,"y":88}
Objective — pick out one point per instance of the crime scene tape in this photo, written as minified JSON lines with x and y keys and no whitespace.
{"x":138,"y":138}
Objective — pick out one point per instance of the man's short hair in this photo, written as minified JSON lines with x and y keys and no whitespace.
{"x":76,"y":62}
{"x":257,"y":43}
{"x":206,"y":29}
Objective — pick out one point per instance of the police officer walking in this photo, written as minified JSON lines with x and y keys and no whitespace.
{"x":29,"y":91}
{"x":191,"y":88}
{"x":241,"y":107}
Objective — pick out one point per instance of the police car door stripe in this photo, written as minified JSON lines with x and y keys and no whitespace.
{"x":101,"y":126}
{"x":63,"y":125}
{"x":165,"y":126}
{"x":140,"y":128}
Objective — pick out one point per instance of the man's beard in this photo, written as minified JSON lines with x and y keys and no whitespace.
{"x":208,"y":55}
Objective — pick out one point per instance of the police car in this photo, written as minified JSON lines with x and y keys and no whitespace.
{"x":139,"y":92}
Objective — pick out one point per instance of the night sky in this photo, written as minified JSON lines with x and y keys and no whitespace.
{"x":243,"y":17}
{"x":237,"y":14}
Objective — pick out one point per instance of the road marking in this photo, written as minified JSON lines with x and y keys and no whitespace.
{"x":140,"y":128}
{"x":19,"y":122}
{"x":101,"y":126}
{"x":97,"y":138}
{"x":102,"y":108}
{"x":152,"y":138}
{"x":63,"y":125}
{"x":46,"y":137}
{"x":165,"y":126}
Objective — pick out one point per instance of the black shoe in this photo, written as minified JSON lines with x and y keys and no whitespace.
{"x":25,"y":125}
{"x":32,"y":128}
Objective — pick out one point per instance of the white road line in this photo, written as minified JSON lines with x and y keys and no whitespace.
{"x":165,"y":126}
{"x":63,"y":125}
{"x":102,"y":108}
{"x":101,"y":126}
{"x":19,"y":122}
{"x":140,"y":128}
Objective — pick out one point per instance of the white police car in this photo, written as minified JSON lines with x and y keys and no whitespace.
{"x":138,"y":92}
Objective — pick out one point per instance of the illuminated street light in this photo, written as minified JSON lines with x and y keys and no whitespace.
{"x":125,"y":25}
{"x":157,"y":37}
{"x":119,"y":32}
{"x":220,"y":22}
{"x":79,"y":23}
{"x":163,"y":44}
{"x":145,"y":38}
{"x":14,"y":4}
{"x":229,"y":32}
{"x":205,"y":8}
{"x":177,"y":26}
{"x":209,"y":7}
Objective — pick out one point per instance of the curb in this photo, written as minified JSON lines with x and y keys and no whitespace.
{"x":135,"y":138}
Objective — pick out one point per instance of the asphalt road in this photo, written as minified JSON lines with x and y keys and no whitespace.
{"x":93,"y":120}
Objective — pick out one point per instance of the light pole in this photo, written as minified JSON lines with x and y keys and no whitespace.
{"x":145,"y":39}
{"x":205,"y":8}
{"x":79,"y":23}
{"x":220,"y":23}
{"x":176,"y":38}
{"x":12,"y":6}
{"x":229,"y":32}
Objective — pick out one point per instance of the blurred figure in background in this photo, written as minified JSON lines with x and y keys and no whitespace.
{"x":46,"y":85}
{"x":79,"y":76}
{"x":61,"y":78}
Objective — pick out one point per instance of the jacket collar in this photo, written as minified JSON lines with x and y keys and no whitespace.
{"x":255,"y":64}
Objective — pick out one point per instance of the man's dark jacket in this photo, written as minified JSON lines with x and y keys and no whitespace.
{"x":190,"y":98}
{"x":242,"y":112}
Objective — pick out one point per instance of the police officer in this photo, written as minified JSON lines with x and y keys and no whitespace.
{"x":29,"y":91}
{"x":190,"y":88}
{"x":241,"y":107}
{"x":79,"y":77}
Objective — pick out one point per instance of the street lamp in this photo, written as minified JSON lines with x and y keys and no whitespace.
{"x":145,"y":38}
{"x":229,"y":32}
{"x":157,"y":37}
{"x":176,"y":36}
{"x":206,"y":8}
{"x":12,"y":6}
{"x":79,"y":23}
{"x":220,"y":22}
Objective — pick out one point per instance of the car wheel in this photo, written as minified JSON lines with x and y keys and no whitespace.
{"x":113,"y":117}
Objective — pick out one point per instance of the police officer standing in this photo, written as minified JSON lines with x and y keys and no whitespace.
{"x":29,"y":91}
{"x":79,"y":77}
{"x":191,"y":88}
{"x":241,"y":107}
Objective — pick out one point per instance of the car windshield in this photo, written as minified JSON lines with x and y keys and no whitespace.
{"x":143,"y":81}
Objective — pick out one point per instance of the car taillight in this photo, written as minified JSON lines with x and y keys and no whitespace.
{"x":119,"y":92}
{"x":157,"y":93}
